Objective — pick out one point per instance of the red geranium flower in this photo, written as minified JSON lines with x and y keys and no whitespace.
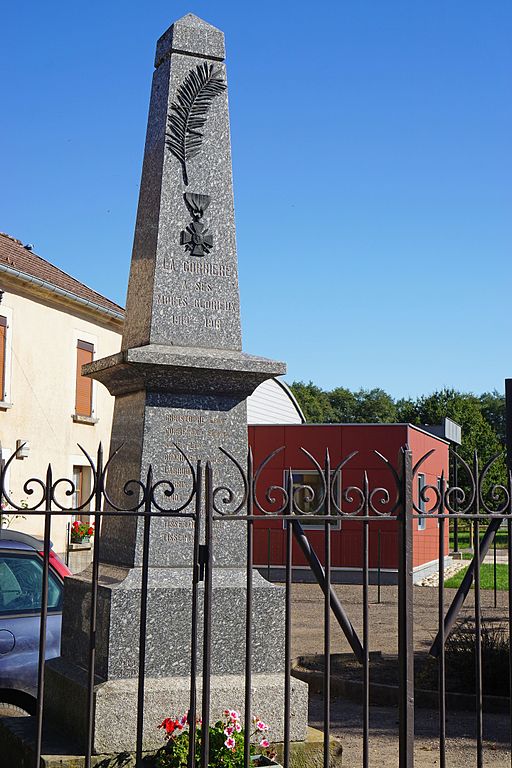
{"x":169,"y":724}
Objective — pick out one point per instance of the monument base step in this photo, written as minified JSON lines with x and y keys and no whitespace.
{"x":115,"y":704}
{"x":17,"y":747}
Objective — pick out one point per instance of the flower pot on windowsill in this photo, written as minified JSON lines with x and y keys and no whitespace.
{"x":84,"y":543}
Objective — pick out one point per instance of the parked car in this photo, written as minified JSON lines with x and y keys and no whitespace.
{"x":21,"y":573}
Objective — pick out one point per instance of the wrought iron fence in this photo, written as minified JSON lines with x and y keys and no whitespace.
{"x":209,"y":502}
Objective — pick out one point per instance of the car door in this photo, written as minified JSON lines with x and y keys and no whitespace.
{"x":21,"y":573}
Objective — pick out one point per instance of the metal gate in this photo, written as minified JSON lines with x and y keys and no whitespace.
{"x":210,"y":502}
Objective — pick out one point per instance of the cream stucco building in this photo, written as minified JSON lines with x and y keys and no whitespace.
{"x":50,"y":324}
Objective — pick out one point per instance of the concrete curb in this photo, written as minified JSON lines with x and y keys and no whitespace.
{"x":385,"y":695}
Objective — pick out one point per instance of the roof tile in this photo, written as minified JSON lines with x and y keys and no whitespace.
{"x":13,"y":254}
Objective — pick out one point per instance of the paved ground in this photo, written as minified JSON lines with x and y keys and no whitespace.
{"x":460,"y":744}
{"x":346,"y":716}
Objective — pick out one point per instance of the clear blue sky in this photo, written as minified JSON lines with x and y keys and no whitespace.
{"x":372,"y":168}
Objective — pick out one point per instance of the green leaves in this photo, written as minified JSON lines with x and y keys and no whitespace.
{"x":188,"y":114}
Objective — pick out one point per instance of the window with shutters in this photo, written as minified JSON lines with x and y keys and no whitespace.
{"x":83,"y":401}
{"x":5,"y":360}
{"x":82,"y":480}
{"x":3,"y":356}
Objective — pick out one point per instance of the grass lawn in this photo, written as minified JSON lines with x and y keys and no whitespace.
{"x":465,"y":543}
{"x":486,"y":577}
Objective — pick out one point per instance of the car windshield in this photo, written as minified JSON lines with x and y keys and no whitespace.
{"x":21,"y":578}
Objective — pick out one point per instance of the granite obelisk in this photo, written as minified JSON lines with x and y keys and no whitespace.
{"x":180,"y":382}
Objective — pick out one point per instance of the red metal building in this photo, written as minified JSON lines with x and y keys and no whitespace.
{"x":346,"y":546}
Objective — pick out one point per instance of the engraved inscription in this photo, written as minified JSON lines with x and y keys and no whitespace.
{"x":200,"y":268}
{"x":172,"y":300}
{"x":186,"y":429}
{"x":178,"y":531}
{"x":180,"y":319}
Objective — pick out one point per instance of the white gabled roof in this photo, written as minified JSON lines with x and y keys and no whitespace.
{"x":273,"y":403}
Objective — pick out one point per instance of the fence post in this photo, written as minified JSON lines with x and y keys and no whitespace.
{"x":405,"y":616}
{"x":455,"y":519}
{"x":379,"y":554}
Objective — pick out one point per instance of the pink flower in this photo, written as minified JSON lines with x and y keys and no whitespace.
{"x":234,"y":715}
{"x":238,"y":727}
{"x":264,"y":743}
{"x":228,"y":730}
{"x":184,"y":720}
{"x":230,"y":743}
{"x":260,"y":725}
{"x":226,"y":713}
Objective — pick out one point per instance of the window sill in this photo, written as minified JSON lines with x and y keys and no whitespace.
{"x":5,"y":406}
{"x":84,"y":419}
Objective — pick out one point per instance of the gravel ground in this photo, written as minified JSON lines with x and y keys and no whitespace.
{"x":307,"y":638}
{"x":308,"y":607}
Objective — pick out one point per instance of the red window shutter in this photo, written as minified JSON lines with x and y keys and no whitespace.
{"x":3,"y":333}
{"x":83,"y":404}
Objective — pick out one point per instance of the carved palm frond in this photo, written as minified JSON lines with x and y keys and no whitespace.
{"x":188,"y":114}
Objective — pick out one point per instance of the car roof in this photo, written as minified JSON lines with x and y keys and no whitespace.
{"x":18,"y":538}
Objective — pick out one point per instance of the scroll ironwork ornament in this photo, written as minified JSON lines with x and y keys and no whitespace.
{"x":196,"y":237}
{"x":188,"y":113}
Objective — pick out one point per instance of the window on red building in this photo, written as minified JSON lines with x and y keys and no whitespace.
{"x":309,"y":491}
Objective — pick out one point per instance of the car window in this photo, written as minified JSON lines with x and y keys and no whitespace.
{"x":21,"y":578}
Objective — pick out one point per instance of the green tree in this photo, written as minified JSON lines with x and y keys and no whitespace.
{"x":375,"y":406}
{"x":344,"y":405}
{"x":314,"y":403}
{"x":494,"y":412}
{"x":466,"y":409}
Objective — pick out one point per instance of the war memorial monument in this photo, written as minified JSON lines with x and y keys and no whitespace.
{"x":180,"y":383}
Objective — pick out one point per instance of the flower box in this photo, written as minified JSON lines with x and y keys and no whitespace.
{"x":80,"y":543}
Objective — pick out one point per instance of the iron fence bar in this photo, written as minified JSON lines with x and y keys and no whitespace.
{"x":192,"y":712}
{"x":478,"y":651}
{"x":288,"y":629}
{"x":508,"y":430}
{"x":248,"y":617}
{"x":405,"y":618}
{"x":143,"y":619}
{"x":269,"y":531}
{"x":318,"y":518}
{"x":94,"y":607}
{"x":456,"y":520}
{"x":498,"y":517}
{"x":327,"y":616}
{"x":44,"y":616}
{"x":379,"y":556}
{"x":509,"y":552}
{"x":366,"y":658}
{"x":68,"y":536}
{"x":442,"y":669}
{"x":346,"y":625}
{"x":495,"y":574}
{"x":207,"y":614}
